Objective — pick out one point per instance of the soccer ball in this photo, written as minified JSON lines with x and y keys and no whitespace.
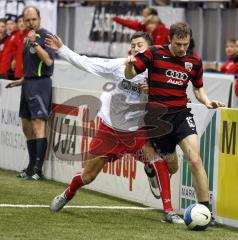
{"x":197,"y":217}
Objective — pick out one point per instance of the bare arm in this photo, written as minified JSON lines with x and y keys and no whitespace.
{"x":15,"y":83}
{"x":202,"y":97}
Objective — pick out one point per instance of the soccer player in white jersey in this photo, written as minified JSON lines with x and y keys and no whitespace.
{"x":121,"y":127}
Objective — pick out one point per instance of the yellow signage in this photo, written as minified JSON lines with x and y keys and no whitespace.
{"x":227,"y":189}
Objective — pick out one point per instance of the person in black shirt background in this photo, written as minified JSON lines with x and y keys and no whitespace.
{"x":36,"y":93}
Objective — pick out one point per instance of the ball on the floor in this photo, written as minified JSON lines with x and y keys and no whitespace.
{"x":197,"y":217}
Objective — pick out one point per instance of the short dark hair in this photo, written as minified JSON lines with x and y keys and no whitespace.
{"x":144,"y":35}
{"x":153,"y":11}
{"x":232,"y":40}
{"x":19,"y":17}
{"x":27,"y":7}
{"x":180,"y":29}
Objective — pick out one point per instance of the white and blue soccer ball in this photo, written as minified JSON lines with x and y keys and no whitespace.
{"x":197,"y":217}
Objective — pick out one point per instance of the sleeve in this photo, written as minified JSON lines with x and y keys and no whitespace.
{"x":197,"y":80}
{"x":102,"y":67}
{"x":143,"y":60}
{"x":223,"y":67}
{"x":233,"y":68}
{"x":135,"y":25}
{"x":7,"y":56}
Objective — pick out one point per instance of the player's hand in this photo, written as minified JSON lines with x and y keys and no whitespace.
{"x":53,"y":41}
{"x":14,"y":83}
{"x":31,"y":36}
{"x":130,"y":60}
{"x":214,"y":104}
{"x":144,"y":87}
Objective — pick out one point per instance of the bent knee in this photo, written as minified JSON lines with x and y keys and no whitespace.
{"x":172,"y":168}
{"x":195,"y":163}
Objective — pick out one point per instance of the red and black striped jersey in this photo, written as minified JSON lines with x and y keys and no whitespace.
{"x":168,"y":76}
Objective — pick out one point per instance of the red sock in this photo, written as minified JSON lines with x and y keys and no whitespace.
{"x":162,"y":176}
{"x":76,"y":183}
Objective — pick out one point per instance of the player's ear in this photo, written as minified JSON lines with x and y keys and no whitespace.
{"x":169,"y":39}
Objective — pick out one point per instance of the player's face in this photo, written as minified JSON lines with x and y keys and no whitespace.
{"x":31,"y":19}
{"x":20,"y":24}
{"x":230,"y":49}
{"x":138,"y":45}
{"x":179,"y":46}
{"x":10,"y":26}
{"x":150,"y":27}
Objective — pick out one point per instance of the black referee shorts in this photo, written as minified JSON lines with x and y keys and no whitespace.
{"x":183,"y":125}
{"x":36,"y":98}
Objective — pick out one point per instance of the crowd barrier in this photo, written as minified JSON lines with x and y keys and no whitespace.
{"x":69,"y":134}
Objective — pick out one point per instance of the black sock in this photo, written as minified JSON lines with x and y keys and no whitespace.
{"x":31,"y":147}
{"x":206,"y":203}
{"x":41,"y":146}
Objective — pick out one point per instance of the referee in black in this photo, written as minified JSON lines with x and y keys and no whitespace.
{"x":36,"y":92}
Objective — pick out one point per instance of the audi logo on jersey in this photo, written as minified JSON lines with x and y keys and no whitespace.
{"x":177,"y":75}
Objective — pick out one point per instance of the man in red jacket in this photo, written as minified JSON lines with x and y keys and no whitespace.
{"x":151,"y":24}
{"x":230,"y":66}
{"x":8,"y":52}
{"x":3,"y":36}
{"x":135,"y":25}
{"x":18,"y":46}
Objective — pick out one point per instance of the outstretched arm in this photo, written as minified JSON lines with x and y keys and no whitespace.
{"x":98,"y":66}
{"x":203,"y":98}
{"x":135,"y":25}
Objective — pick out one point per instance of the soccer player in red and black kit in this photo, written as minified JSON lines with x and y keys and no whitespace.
{"x":170,"y":68}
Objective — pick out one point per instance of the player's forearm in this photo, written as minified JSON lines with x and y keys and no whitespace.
{"x":201,"y":95}
{"x":135,"y":25}
{"x":43,"y":55}
{"x":130,"y":71}
{"x":72,"y":57}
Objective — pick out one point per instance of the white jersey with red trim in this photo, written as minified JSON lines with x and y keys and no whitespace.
{"x":120,"y":103}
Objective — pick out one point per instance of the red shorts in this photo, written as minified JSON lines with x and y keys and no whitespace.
{"x":112,"y":144}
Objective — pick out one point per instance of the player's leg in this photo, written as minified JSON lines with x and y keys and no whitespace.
{"x":31,"y":148}
{"x":39,"y":128}
{"x":171,"y":160}
{"x":91,"y":170}
{"x":190,"y":147}
{"x":158,"y":173}
{"x":39,"y":103}
{"x":188,"y":140}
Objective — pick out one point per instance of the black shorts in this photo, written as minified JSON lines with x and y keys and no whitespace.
{"x":36,"y":98}
{"x":183,"y":125}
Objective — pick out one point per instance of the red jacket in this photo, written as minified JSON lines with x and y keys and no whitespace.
{"x":3,"y":44}
{"x":19,"y":41}
{"x":159,"y":36}
{"x":8,"y":54}
{"x":230,"y":67}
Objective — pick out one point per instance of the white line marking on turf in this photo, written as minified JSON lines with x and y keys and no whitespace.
{"x":76,"y":206}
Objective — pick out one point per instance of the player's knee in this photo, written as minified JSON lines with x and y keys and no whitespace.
{"x":195,"y":163}
{"x":173,"y":168}
{"x":25,"y":130}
